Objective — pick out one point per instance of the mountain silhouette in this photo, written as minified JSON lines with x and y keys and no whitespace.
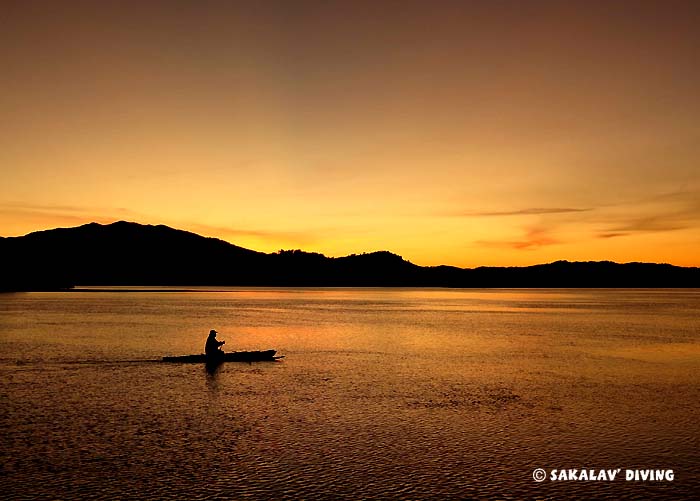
{"x":125,"y":253}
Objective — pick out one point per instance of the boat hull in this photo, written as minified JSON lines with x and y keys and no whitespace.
{"x":236,"y":356}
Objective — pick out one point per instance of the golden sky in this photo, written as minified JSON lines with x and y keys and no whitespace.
{"x":466,"y":133}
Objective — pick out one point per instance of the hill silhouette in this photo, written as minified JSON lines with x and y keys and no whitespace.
{"x":125,"y":253}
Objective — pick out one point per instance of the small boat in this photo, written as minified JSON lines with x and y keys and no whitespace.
{"x":234,"y":356}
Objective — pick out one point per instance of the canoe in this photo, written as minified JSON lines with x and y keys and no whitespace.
{"x":234,"y":356}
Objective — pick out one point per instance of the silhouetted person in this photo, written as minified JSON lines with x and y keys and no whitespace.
{"x":213,"y":346}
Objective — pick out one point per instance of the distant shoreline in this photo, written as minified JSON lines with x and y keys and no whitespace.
{"x":102,"y":256}
{"x":258,"y":288}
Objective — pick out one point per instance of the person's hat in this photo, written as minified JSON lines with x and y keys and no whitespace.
{"x":212,"y":332}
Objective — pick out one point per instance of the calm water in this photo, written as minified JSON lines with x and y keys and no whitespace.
{"x":391,"y":394}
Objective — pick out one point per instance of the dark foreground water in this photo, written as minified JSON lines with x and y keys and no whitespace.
{"x":383,"y":394}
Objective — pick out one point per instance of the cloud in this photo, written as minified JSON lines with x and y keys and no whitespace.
{"x":527,"y":212}
{"x":534,"y":238}
{"x":231,"y":233}
{"x":667,"y":212}
{"x":20,"y":219}
{"x":653,"y":224}
{"x":21,"y":207}
{"x":66,"y":211}
{"x":42,"y":216}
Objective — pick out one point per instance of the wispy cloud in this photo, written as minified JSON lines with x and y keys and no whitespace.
{"x":231,"y":233}
{"x":650,"y":224}
{"x":526,"y":212}
{"x":667,"y":222}
{"x":42,"y":216}
{"x":534,"y":238}
{"x":545,"y":233}
{"x":21,"y":218}
{"x":667,"y":212}
{"x":18,"y":206}
{"x":66,"y":210}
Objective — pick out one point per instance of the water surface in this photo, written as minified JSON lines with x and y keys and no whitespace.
{"x":384,"y":393}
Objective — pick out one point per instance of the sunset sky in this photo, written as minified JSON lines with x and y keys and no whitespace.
{"x":465,"y":133}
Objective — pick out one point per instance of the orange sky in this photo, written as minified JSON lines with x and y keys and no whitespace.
{"x":463,"y":133}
